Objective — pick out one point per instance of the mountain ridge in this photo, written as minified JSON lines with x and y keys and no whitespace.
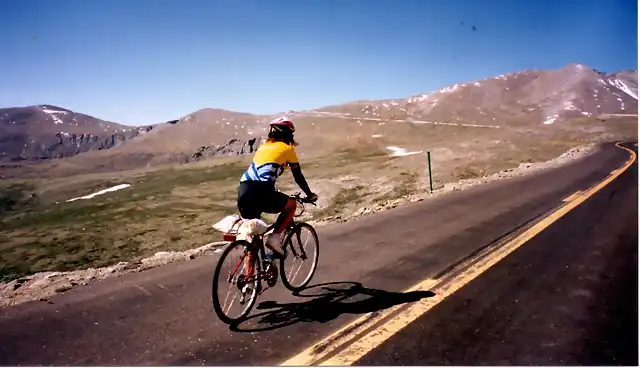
{"x":525,"y":98}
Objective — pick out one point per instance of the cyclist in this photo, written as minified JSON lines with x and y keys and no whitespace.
{"x":257,"y":192}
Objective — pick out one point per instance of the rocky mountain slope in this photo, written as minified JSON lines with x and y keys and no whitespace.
{"x":205,"y":127}
{"x":45,"y":131}
{"x":528,"y":97}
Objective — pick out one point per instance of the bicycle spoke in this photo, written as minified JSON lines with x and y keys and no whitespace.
{"x":227,"y":298}
{"x":297,"y":271}
{"x":230,"y":304}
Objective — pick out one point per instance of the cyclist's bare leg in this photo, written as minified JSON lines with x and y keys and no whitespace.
{"x":248,"y":265}
{"x":284,"y":219}
{"x":286,"y":216}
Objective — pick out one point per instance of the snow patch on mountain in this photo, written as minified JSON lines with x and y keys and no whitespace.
{"x":52,"y":114}
{"x":550,"y":119}
{"x":623,"y":87}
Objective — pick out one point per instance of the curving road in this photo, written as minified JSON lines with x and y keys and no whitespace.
{"x":566,"y":296}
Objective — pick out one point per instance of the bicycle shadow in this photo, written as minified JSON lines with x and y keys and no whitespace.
{"x":325,"y":306}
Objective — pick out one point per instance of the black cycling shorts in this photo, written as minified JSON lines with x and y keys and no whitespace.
{"x":255,"y":197}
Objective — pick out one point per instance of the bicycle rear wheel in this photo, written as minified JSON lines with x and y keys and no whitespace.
{"x":237,"y":282}
{"x":302,"y":247}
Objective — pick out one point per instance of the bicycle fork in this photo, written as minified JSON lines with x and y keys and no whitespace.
{"x":303,"y":254}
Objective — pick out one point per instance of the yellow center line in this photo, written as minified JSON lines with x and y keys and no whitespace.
{"x":360,"y":338}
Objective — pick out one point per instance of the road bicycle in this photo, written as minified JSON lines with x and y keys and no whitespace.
{"x":263,"y":269}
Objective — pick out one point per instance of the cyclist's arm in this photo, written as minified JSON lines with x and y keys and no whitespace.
{"x":296,"y":170}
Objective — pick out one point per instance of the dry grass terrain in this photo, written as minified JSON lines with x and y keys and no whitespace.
{"x":172,"y":207}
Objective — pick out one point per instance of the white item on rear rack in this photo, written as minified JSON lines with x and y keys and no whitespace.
{"x":250,"y":228}
{"x":228,"y":224}
{"x":243,"y":229}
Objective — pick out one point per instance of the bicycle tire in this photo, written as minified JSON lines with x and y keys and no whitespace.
{"x":216,"y":278}
{"x":287,"y":242}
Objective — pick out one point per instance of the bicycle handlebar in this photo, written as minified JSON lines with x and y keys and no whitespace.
{"x":302,"y":200}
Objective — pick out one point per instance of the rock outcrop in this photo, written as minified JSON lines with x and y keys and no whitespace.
{"x":234,"y":147}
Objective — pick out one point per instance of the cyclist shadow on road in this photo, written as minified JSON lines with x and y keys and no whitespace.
{"x":325,"y":306}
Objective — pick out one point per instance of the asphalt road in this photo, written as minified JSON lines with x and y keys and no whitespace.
{"x":568,"y":296}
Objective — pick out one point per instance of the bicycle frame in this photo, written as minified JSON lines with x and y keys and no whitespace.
{"x":258,"y":241}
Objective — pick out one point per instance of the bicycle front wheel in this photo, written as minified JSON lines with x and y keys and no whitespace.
{"x":235,"y":287}
{"x":303,"y":249}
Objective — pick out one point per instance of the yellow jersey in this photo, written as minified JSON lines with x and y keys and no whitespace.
{"x":269,"y":161}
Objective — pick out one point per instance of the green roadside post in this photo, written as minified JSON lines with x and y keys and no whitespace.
{"x":430,"y":179}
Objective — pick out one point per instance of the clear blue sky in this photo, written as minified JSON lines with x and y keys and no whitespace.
{"x":148,"y":61}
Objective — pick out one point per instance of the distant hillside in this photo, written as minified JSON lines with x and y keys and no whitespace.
{"x":45,"y":131}
{"x":527,"y":97}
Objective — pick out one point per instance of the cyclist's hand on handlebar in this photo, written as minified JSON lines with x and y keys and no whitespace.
{"x":311,"y":197}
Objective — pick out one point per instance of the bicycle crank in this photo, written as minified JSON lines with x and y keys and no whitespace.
{"x":271,"y":274}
